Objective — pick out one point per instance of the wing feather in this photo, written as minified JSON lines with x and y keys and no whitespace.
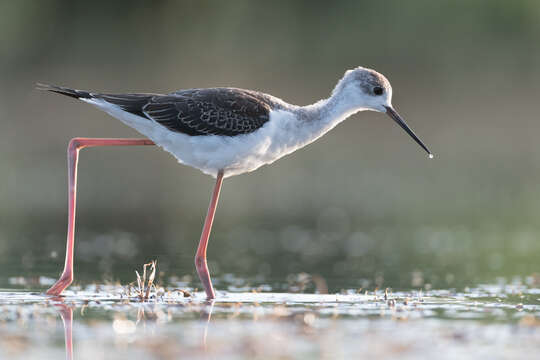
{"x":195,"y":112}
{"x":218,"y":111}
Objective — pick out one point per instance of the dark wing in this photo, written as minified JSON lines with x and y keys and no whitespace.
{"x":215,"y":111}
{"x":195,"y":112}
{"x":132,"y":103}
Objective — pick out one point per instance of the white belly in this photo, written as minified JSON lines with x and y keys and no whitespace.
{"x":211,"y":153}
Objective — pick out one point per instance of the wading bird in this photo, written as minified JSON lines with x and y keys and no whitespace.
{"x":223,"y":132}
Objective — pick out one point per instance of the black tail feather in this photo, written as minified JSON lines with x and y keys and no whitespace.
{"x":77,"y":94}
{"x":132,"y":103}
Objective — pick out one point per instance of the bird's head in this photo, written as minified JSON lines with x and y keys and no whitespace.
{"x":366,"y":89}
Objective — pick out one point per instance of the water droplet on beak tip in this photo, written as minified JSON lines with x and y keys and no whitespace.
{"x":431,"y":156}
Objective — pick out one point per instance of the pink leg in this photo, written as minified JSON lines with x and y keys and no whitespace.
{"x":200,"y":257}
{"x":73,"y":156}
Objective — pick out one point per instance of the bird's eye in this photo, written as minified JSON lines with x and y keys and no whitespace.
{"x":377,"y":90}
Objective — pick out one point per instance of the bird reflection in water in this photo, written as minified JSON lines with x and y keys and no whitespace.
{"x":66,"y":314}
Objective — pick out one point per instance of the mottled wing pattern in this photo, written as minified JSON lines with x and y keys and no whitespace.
{"x":195,"y":112}
{"x":214,"y":111}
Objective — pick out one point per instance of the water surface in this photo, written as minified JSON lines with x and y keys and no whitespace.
{"x":488,"y":321}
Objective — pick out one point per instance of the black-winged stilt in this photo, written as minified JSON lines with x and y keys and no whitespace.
{"x":223,"y":132}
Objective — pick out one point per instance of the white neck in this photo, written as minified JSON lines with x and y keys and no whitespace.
{"x":324,"y":115}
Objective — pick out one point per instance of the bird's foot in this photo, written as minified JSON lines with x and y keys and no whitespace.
{"x":60,"y":285}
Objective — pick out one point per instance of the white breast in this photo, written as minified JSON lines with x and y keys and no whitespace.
{"x":279,"y":136}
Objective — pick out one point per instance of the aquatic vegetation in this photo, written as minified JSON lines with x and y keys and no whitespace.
{"x":146,"y":285}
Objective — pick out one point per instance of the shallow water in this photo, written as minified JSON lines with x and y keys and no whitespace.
{"x":488,"y":321}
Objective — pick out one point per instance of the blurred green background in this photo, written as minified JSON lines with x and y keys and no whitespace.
{"x":363,"y":206}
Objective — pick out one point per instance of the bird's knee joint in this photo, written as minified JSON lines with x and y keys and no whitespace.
{"x":200,"y":261}
{"x":75,"y":144}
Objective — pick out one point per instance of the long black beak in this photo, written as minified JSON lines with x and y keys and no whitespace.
{"x":399,"y":120}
